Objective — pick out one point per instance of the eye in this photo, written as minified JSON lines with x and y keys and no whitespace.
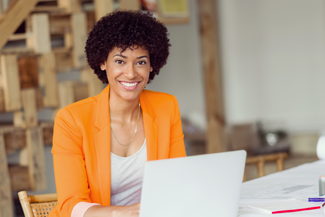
{"x":119,"y":61}
{"x":142,"y":62}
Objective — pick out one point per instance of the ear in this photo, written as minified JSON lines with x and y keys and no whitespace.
{"x":103,"y":66}
{"x":151,"y":69}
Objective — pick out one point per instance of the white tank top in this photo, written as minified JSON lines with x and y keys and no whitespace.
{"x":127,"y":176}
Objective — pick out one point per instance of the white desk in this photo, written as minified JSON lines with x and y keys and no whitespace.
{"x":300,"y":182}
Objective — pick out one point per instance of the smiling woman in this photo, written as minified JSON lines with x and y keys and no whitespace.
{"x":100,"y":144}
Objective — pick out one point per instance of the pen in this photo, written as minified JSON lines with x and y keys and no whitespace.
{"x":316,"y":199}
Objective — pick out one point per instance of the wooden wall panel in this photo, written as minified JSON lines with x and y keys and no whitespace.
{"x":27,"y":117}
{"x":79,"y":30}
{"x":48,"y":81}
{"x":28,"y":71}
{"x":10,"y":82}
{"x":6,"y":207}
{"x":39,"y":28}
{"x":13,"y":17}
{"x":102,"y":8}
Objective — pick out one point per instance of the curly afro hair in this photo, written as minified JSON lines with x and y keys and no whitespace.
{"x":126,"y":29}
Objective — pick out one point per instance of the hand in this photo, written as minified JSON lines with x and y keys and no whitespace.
{"x":127,"y":211}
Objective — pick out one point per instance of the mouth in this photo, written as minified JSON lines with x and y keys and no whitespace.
{"x":129,"y":85}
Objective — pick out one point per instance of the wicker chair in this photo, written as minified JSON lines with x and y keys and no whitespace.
{"x":37,"y":205}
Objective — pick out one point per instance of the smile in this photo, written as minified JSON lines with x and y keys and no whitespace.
{"x":129,"y":85}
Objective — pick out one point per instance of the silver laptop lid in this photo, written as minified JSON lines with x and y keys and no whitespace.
{"x":204,"y":185}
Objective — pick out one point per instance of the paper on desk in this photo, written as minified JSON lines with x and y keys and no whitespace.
{"x":282,"y":190}
{"x":244,"y":209}
{"x":292,"y":205}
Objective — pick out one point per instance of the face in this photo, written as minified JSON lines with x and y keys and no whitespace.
{"x":127,"y":72}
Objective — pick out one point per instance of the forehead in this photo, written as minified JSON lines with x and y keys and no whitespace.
{"x":134,"y":50}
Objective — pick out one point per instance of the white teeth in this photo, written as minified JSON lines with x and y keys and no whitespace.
{"x":129,"y":84}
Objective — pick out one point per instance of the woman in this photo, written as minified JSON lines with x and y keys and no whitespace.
{"x":100,"y":144}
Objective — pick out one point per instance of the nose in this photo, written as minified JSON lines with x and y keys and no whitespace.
{"x":130,"y":72}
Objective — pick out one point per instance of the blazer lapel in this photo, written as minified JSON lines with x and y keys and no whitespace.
{"x":103,"y":139}
{"x":103,"y":148}
{"x":150,"y":127}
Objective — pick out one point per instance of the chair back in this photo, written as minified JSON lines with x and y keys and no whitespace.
{"x":37,"y":205}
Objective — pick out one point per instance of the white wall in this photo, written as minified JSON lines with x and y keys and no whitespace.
{"x":182,"y":76}
{"x":274,"y":61}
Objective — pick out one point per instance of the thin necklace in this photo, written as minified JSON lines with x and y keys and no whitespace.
{"x":135,"y":131}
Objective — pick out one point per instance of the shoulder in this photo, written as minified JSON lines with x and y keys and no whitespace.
{"x":160,"y":99}
{"x":79,"y":110}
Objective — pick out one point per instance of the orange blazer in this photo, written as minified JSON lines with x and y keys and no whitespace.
{"x":81,"y":145}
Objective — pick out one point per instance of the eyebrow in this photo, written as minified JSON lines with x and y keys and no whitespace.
{"x":126,"y":57}
{"x":120,"y":55}
{"x":142,"y":57}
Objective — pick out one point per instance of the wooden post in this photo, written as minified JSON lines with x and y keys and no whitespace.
{"x":71,"y":6}
{"x":79,"y":29}
{"x":130,"y":5}
{"x":2,"y":101}
{"x":13,"y":17}
{"x":95,"y":86}
{"x":28,"y":116}
{"x":210,"y":49}
{"x":10,"y":82}
{"x":6,"y":207}
{"x":260,"y":167}
{"x":48,"y":81}
{"x":102,"y":8}
{"x":38,"y":26}
{"x":33,"y":157}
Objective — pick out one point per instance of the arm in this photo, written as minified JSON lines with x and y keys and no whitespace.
{"x":70,"y":174}
{"x":69,"y":163}
{"x":177,"y":147}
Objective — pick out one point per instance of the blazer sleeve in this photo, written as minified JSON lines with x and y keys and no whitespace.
{"x":177,"y":147}
{"x":69,"y":163}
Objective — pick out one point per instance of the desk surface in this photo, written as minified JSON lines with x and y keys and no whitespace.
{"x":300,"y":182}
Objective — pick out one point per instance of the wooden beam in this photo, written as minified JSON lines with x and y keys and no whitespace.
{"x":6,"y":206}
{"x":210,"y":50}
{"x":27,"y":117}
{"x":38,"y":26}
{"x":48,"y":81}
{"x":1,"y":8}
{"x":71,"y":6}
{"x":2,"y":101}
{"x":59,"y":24}
{"x":79,"y":30}
{"x":28,"y":71}
{"x":95,"y":86}
{"x":102,"y":8}
{"x":33,"y":157}
{"x":13,"y":17}
{"x":10,"y":82}
{"x":130,"y":5}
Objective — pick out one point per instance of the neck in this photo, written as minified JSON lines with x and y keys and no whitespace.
{"x":122,"y":110}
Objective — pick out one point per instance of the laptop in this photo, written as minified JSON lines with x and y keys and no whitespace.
{"x":203,"y":185}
